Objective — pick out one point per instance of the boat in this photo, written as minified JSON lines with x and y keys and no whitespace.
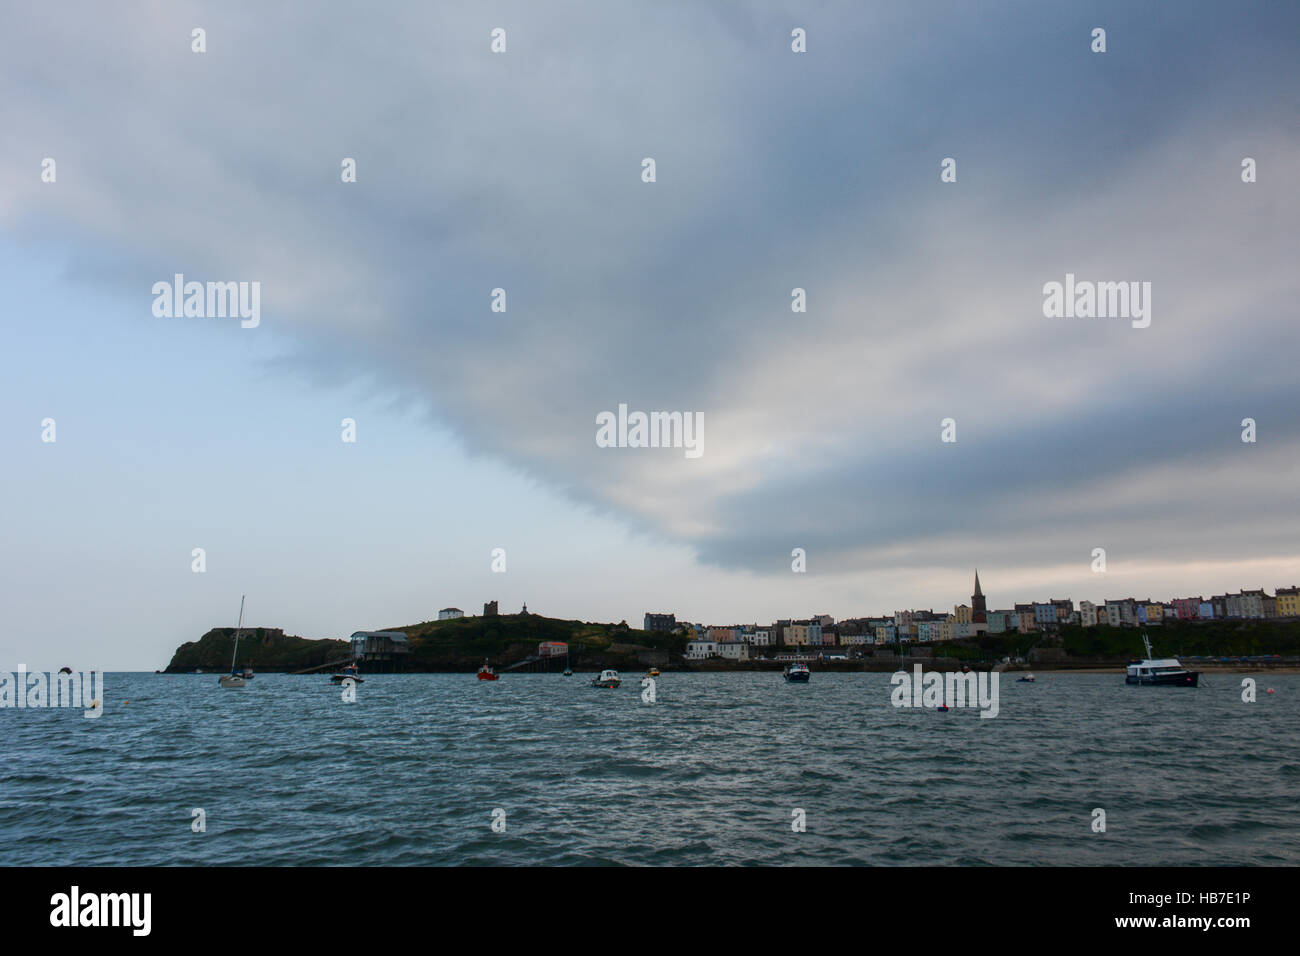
{"x":235,"y":678}
{"x":798,"y":673}
{"x":607,"y":678}
{"x":348,"y":673}
{"x":1165,"y":671}
{"x":652,"y":672}
{"x":1028,"y":679}
{"x":568,"y":671}
{"x":486,"y":673}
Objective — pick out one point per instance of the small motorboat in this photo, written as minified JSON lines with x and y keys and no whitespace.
{"x":348,"y":673}
{"x":568,"y":672}
{"x":486,"y":673}
{"x":607,"y":678}
{"x":1027,"y":679}
{"x":652,"y":672}
{"x":798,"y":673}
{"x":943,"y":708}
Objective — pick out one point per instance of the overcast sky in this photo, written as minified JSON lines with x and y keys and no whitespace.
{"x":522,"y":170}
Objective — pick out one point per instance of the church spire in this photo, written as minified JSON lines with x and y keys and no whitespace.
{"x":978,"y":613}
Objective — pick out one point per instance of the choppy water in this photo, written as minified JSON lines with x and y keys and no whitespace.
{"x":288,"y":774}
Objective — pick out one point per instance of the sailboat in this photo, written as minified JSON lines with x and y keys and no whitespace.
{"x":568,"y":671}
{"x":235,"y":678}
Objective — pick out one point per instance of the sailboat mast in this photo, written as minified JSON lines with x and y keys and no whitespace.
{"x":235,"y":655}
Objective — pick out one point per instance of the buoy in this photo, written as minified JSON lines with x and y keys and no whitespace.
{"x":1270,"y":690}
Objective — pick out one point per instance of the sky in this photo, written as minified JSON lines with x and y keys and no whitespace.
{"x":522,"y":170}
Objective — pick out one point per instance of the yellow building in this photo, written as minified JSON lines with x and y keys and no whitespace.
{"x":962,"y":613}
{"x":796,"y":634}
{"x":1288,"y":602}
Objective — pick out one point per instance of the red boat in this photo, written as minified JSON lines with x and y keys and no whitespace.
{"x":486,"y":673}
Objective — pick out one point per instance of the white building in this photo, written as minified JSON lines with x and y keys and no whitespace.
{"x":1087,"y":614}
{"x":699,"y":650}
{"x":733,"y":650}
{"x":447,"y":613}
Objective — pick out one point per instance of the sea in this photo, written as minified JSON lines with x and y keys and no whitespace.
{"x":716,"y":769}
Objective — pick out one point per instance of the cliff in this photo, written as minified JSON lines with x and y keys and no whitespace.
{"x":454,"y":645}
{"x":263,"y":649}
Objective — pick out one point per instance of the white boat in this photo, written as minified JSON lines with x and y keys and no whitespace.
{"x":607,"y":678}
{"x":1165,"y":671}
{"x":798,"y":673}
{"x":235,"y":678}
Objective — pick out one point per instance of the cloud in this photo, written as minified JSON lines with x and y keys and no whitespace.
{"x":775,"y":171}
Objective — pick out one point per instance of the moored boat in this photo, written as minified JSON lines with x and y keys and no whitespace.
{"x":1027,"y":679}
{"x":798,"y":673}
{"x":235,"y":678}
{"x":607,"y":678}
{"x":486,"y":672}
{"x":1162,"y":672}
{"x":652,"y":672}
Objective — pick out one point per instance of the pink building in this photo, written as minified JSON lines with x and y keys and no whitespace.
{"x":1187,"y":609}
